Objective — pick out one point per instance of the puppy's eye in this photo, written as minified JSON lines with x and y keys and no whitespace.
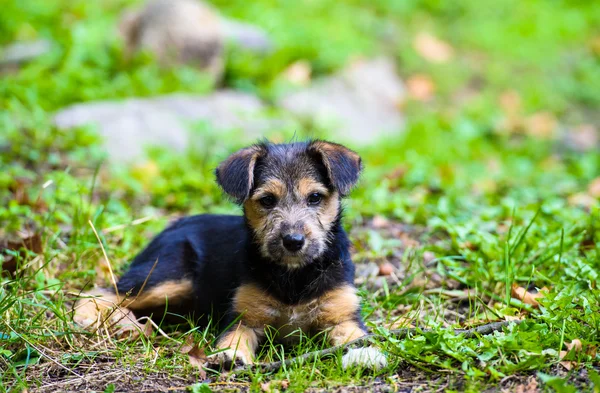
{"x":268,"y":201}
{"x":314,"y":199}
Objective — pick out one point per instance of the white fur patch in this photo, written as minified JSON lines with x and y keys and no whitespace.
{"x":368,"y":357}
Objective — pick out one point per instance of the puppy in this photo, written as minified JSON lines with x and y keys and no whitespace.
{"x":284,"y":264}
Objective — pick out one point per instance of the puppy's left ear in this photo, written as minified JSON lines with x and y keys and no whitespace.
{"x":235,"y":175}
{"x":343,"y":165}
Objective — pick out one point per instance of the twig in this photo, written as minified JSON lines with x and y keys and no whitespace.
{"x":42,"y":353}
{"x":366,"y":339}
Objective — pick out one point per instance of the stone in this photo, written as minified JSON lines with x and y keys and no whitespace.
{"x":176,"y":32}
{"x":189,"y":32}
{"x":246,"y":36}
{"x":21,"y":52}
{"x":359,"y":104}
{"x":129,"y":126}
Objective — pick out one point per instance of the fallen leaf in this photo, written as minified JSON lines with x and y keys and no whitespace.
{"x":584,"y":137}
{"x":582,"y":200}
{"x":196,"y":355}
{"x":25,"y":239}
{"x":285,"y":384}
{"x":541,"y":125}
{"x":420,"y":87}
{"x":380,"y":222}
{"x":428,"y":257}
{"x":432,"y":48}
{"x":510,"y":103}
{"x":594,"y":188}
{"x":527,"y":297}
{"x":386,"y":269}
{"x":20,"y":188}
{"x":298,"y":73}
{"x":396,"y":176}
{"x":530,"y":387}
{"x":265,"y":386}
{"x":574,"y":346}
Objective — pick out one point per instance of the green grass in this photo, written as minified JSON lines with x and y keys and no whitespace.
{"x":494,"y":206}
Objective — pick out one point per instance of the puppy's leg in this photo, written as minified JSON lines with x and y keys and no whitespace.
{"x":101,"y":307}
{"x":340,"y":312}
{"x":104,"y":307}
{"x":238,"y":346}
{"x":255,"y":309}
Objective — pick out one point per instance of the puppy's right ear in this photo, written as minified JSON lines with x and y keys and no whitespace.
{"x":235,"y":175}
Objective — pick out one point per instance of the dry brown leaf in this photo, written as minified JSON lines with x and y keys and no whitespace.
{"x":527,"y":297}
{"x":432,"y":48}
{"x":582,"y":200}
{"x":25,"y":239}
{"x":428,"y":257}
{"x":530,"y":387}
{"x":285,"y":384}
{"x":196,"y":355}
{"x":573,"y":346}
{"x":510,"y":102}
{"x":541,"y":125}
{"x":380,"y":222}
{"x":584,"y":137}
{"x":19,"y":188}
{"x":386,"y":269}
{"x":594,"y":188}
{"x":298,"y":73}
{"x":265,"y":386}
{"x":420,"y":87}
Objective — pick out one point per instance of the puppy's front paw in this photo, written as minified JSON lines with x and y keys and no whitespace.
{"x":369,"y":357}
{"x":228,"y":359}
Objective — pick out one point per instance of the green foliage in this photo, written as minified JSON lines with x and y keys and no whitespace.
{"x":495,"y":206}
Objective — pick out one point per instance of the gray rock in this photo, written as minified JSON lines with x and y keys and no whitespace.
{"x":20,"y":52}
{"x":359,"y":104}
{"x":246,"y":36}
{"x":128,"y":127}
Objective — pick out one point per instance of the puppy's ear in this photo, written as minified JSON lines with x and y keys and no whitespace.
{"x":343,"y":165}
{"x":235,"y":175}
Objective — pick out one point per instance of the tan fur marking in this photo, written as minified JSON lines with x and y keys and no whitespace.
{"x":329,"y":148}
{"x":254,"y":216}
{"x":307,"y":186}
{"x":103,"y":306}
{"x":243,"y":340}
{"x":337,"y":306}
{"x":345,"y":332}
{"x":168,"y":292}
{"x":329,"y":211}
{"x":256,"y":306}
{"x":271,"y":186}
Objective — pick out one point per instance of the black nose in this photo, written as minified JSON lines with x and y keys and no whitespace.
{"x":293,"y":242}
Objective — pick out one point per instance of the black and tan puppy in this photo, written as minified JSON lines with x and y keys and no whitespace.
{"x":285,"y":263}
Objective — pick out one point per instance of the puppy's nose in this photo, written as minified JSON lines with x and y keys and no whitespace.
{"x":293,"y":242}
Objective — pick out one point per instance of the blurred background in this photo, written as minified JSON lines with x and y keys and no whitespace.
{"x":471,"y":118}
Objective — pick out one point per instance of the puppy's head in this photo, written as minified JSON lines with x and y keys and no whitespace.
{"x":291,"y":195}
